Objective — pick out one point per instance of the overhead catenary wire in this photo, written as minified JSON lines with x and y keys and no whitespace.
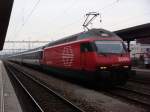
{"x":35,"y":6}
{"x":15,"y":25}
{"x":29,"y":16}
{"x":129,"y":19}
{"x":106,"y":6}
{"x":109,"y":5}
{"x":69,"y":25}
{"x":66,"y":10}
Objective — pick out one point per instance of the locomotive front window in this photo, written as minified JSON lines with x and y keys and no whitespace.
{"x":109,"y":47}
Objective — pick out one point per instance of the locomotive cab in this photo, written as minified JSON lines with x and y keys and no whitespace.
{"x":112,"y":54}
{"x":113,"y":61}
{"x":106,"y":56}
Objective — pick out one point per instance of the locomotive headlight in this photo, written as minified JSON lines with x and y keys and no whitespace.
{"x":103,"y":67}
{"x":126,"y":66}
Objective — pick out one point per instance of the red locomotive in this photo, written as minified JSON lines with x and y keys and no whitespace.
{"x":96,"y":54}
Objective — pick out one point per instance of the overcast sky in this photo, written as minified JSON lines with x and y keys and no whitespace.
{"x":54,"y":19}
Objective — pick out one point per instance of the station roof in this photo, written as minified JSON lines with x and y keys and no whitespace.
{"x":136,"y":32}
{"x":5,"y":11}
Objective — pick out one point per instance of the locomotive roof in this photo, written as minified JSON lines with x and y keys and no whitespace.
{"x":77,"y":36}
{"x":89,"y":31}
{"x":83,"y":34}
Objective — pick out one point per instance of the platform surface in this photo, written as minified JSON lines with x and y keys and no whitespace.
{"x":8,"y":98}
{"x":141,"y":70}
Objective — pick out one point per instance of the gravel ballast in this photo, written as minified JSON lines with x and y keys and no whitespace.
{"x":87,"y":99}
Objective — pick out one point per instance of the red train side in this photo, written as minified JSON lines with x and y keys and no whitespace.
{"x":81,"y":58}
{"x":97,"y":55}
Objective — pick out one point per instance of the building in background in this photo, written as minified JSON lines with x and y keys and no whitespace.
{"x":141,"y":51}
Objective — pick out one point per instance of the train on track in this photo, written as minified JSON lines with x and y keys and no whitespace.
{"x":95,"y":55}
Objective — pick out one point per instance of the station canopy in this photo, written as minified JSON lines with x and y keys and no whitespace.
{"x":5,"y":11}
{"x":136,"y":32}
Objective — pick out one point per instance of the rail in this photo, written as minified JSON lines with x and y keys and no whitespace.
{"x":25,"y":79}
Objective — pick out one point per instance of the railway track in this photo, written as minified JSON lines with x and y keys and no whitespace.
{"x":141,"y":88}
{"x":146,"y":82}
{"x":131,"y":95}
{"x":128,"y":94}
{"x":139,"y":92}
{"x":44,"y":99}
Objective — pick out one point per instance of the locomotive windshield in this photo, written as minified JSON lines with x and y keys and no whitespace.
{"x":110,"y":47}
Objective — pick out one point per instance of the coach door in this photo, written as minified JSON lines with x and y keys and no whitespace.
{"x":85,"y":49}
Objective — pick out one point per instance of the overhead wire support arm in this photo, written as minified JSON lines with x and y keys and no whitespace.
{"x":87,"y":22}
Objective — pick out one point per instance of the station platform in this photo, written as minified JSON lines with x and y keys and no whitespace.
{"x":8,"y":98}
{"x":141,"y":69}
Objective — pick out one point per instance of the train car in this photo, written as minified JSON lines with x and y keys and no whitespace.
{"x":95,"y":55}
{"x":31,"y":57}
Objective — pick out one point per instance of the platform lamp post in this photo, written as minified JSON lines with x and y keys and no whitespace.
{"x":128,"y":44}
